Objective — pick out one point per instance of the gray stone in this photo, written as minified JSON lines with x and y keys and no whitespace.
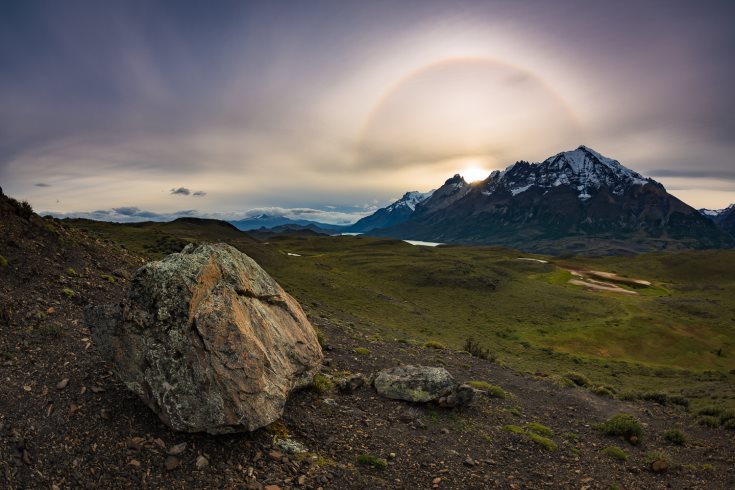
{"x":414,"y":383}
{"x":208,"y":340}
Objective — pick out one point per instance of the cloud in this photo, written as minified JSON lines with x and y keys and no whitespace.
{"x":199,"y":194}
{"x":693,"y":173}
{"x":41,"y":184}
{"x":181,"y":190}
{"x":132,"y":214}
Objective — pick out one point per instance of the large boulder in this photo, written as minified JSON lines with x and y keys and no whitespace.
{"x":421,"y":384}
{"x":208,"y":340}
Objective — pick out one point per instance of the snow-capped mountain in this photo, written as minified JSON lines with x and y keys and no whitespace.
{"x":269,"y":220}
{"x":393,"y":214}
{"x":572,"y":198}
{"x":582,"y":169}
{"x":724,"y":218}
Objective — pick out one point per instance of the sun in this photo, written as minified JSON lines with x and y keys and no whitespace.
{"x":473,"y":174}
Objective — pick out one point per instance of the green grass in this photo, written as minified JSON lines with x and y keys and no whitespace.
{"x":539,"y":429}
{"x":678,"y":340}
{"x":372,"y":460}
{"x":322,"y":384}
{"x":533,"y":436}
{"x":709,"y":421}
{"x":578,"y":379}
{"x":53,"y":330}
{"x":72,"y":272}
{"x":108,"y":278}
{"x":491,"y":390}
{"x":434,"y":344}
{"x":3,"y":261}
{"x":622,"y":424}
{"x":616,"y":453}
{"x":676,"y":437}
{"x":362,"y":351}
{"x":69,"y":293}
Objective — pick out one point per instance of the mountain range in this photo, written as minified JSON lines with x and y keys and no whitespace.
{"x":572,"y":201}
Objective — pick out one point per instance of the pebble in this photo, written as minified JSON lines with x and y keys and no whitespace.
{"x":177,"y":449}
{"x":62,"y":384}
{"x":272,"y":487}
{"x":171,"y":463}
{"x":201,"y":462}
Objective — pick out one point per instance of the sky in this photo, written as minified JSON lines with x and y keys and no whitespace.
{"x":133,"y":110}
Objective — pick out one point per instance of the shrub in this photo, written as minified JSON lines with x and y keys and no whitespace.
{"x":108,"y":278}
{"x":22,"y":208}
{"x":71,"y":272}
{"x":729,"y":424}
{"x":658,"y":397}
{"x":475,"y":349}
{"x":709,"y":410}
{"x":69,"y":293}
{"x":372,"y":460}
{"x":622,"y":424}
{"x":544,"y":442}
{"x":433,"y":344}
{"x":491,"y":390}
{"x":679,"y":400}
{"x":676,"y":437}
{"x":3,"y":261}
{"x":657,"y":455}
{"x":578,"y":379}
{"x":616,"y":453}
{"x":709,"y":421}
{"x":54,"y":330}
{"x":322,"y":338}
{"x":514,"y":429}
{"x":539,"y":429}
{"x":322,"y":384}
{"x":363,"y":351}
{"x":603,"y":391}
{"x":726,"y":415}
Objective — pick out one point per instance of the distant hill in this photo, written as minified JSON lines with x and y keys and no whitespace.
{"x":394,"y":214}
{"x":272,"y":220}
{"x":723,"y":218}
{"x":558,"y":205}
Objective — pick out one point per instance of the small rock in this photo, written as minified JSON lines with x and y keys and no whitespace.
{"x":469,"y":461}
{"x":271,"y":487}
{"x":134,"y":462}
{"x":97,"y":389}
{"x":331,"y":402}
{"x":352,"y":383}
{"x":633,"y":440}
{"x":301,"y":480}
{"x":275,"y":455}
{"x":445,"y":430}
{"x":201,"y":462}
{"x":171,"y":463}
{"x":659,"y":466}
{"x":392,"y":455}
{"x":74,"y":408}
{"x":105,"y":414}
{"x":62,"y":384}
{"x":436,"y":480}
{"x":177,"y":449}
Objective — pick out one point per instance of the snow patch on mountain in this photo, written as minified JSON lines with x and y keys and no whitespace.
{"x":584,"y":169}
{"x":409,"y":200}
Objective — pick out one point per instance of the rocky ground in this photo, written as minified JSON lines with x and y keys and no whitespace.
{"x":66,"y":422}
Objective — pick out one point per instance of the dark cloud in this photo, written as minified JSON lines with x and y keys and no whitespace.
{"x":181,"y":190}
{"x":199,"y":194}
{"x":41,"y":184}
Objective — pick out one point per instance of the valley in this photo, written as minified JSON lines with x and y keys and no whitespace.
{"x":675,"y":335}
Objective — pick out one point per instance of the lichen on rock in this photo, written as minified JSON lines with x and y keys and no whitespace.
{"x":208,"y":340}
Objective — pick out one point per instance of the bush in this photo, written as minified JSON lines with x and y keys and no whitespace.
{"x":603,"y":391}
{"x":322,"y":338}
{"x":72,"y":272}
{"x":3,"y":261}
{"x":726,"y":415}
{"x":709,"y":421}
{"x":22,"y":208}
{"x":657,"y":455}
{"x":542,"y":441}
{"x":322,"y":384}
{"x":491,"y":390}
{"x":578,"y":379}
{"x":539,"y":429}
{"x":616,"y":453}
{"x":475,"y":349}
{"x":679,"y":400}
{"x":675,"y":437}
{"x":729,"y":424}
{"x":709,"y":410}
{"x":433,"y":344}
{"x":69,"y":293}
{"x":363,"y":351}
{"x":372,"y":460}
{"x":54,"y":330}
{"x":622,"y":424}
{"x":108,"y":278}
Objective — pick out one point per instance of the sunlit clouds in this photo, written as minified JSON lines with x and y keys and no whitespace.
{"x":332,"y":107}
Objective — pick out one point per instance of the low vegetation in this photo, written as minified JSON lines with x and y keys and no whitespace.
{"x":475,"y":349}
{"x":676,"y":437}
{"x":622,"y":424}
{"x":532,"y":435}
{"x":578,"y":379}
{"x":372,"y":460}
{"x":434,"y":344}
{"x":491,"y":390}
{"x":363,"y":351}
{"x":3,"y":261}
{"x":616,"y":453}
{"x":322,"y":384}
{"x":69,"y":293}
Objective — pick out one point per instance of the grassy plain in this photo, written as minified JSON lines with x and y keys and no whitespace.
{"x":676,"y":336}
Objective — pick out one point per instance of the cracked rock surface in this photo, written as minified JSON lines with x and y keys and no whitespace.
{"x":208,"y":340}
